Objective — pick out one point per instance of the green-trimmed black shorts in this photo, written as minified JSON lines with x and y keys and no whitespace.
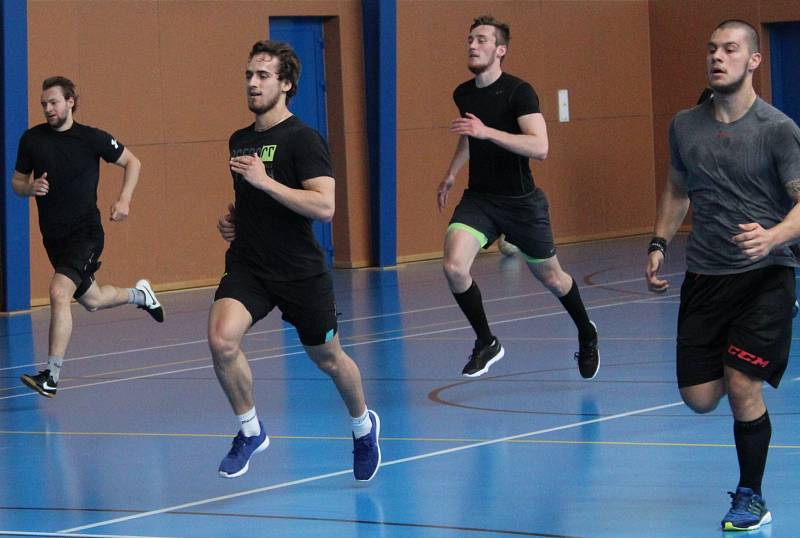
{"x":525,"y":221}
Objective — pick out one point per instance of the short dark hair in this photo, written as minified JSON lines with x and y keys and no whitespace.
{"x":502,"y":33}
{"x":288,"y":62}
{"x":67,"y":88}
{"x":752,"y":33}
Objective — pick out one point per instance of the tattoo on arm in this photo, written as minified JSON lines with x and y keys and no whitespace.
{"x":793,"y":188}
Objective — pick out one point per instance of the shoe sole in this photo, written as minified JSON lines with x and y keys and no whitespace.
{"x":728,"y":526}
{"x":598,"y":354}
{"x":374,"y":415}
{"x":488,"y":364}
{"x":262,"y":447}
{"x":31,"y":384}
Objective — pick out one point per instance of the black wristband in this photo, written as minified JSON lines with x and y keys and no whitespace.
{"x":659,"y":244}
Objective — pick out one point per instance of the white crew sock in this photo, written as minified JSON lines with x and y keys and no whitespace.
{"x":249,"y":423}
{"x":361,"y":425}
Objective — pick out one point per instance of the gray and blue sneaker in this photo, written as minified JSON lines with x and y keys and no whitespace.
{"x":748,"y":511}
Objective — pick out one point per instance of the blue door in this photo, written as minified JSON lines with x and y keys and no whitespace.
{"x":784,"y":48}
{"x":304,"y":34}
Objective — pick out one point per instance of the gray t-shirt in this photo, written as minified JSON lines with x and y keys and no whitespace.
{"x":735,"y":173}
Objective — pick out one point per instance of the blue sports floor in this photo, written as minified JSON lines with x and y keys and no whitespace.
{"x":131,"y":443}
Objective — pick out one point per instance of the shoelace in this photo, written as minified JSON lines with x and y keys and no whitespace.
{"x":740,"y":503}
{"x":238,"y":442}
{"x":367,"y":445}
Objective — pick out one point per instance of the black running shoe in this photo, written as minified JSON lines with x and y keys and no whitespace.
{"x":151,"y":304}
{"x":588,"y":357}
{"x":482,"y":358}
{"x":42,"y":383}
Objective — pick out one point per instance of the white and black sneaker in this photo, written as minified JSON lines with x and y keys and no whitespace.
{"x":42,"y":383}
{"x":482,"y":358}
{"x":588,"y":357}
{"x":151,"y":304}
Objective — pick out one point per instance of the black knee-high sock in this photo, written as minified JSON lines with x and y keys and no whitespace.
{"x":574,"y":305}
{"x":752,"y":444}
{"x":471,"y":304}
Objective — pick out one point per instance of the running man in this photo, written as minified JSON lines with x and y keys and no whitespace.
{"x":58,"y":163}
{"x":736,"y":160}
{"x":500,"y":129}
{"x":282,"y":179}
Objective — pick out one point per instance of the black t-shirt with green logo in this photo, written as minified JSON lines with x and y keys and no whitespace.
{"x":274,"y":240}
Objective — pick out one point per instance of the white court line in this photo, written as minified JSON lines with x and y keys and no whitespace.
{"x":23,"y":533}
{"x":349,"y":345}
{"x":384,"y":464}
{"x":350,"y":320}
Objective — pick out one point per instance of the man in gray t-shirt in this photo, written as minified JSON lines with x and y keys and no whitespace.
{"x":736,"y":160}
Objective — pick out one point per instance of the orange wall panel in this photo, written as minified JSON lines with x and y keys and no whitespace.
{"x":599,"y":185}
{"x":167,"y":79}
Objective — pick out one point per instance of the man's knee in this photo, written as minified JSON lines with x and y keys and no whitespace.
{"x":455,"y":269}
{"x":224,"y":346}
{"x":59,"y":293}
{"x":703,"y":398}
{"x":700,"y":405}
{"x":90,"y":303}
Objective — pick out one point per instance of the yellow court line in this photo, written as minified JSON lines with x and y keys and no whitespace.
{"x":396,"y":439}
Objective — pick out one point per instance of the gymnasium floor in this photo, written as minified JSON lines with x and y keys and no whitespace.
{"x":131,"y":443}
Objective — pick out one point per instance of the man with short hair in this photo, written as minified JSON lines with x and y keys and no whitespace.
{"x":500,"y":129}
{"x":283,"y":179}
{"x":736,"y":160}
{"x":58,"y":163}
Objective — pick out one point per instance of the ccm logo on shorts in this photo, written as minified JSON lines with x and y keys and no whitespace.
{"x":741,"y":354}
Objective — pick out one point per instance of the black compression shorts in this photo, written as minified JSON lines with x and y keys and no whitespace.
{"x":525,"y":221}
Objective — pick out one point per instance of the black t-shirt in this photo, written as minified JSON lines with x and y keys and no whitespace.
{"x":270,"y":237}
{"x":493,"y":169}
{"x":71,"y":159}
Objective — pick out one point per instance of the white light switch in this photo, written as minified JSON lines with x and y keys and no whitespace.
{"x":563,"y":105}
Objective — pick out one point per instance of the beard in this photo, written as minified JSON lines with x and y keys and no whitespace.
{"x":478,"y":69}
{"x":57,"y":122}
{"x":266,"y":107}
{"x":731,"y":87}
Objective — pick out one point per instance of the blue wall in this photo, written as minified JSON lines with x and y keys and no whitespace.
{"x":15,"y":287}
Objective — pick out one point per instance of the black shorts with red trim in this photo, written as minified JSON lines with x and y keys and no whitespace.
{"x":741,"y":320}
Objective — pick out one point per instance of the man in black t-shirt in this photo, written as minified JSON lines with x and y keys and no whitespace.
{"x":500,"y":128}
{"x":282,"y":179}
{"x":58,"y":163}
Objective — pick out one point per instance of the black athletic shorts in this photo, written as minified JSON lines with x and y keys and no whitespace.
{"x":742,"y":320}
{"x":525,"y":221}
{"x":307,"y":304}
{"x":77,"y":256}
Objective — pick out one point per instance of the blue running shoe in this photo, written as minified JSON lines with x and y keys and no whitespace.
{"x":367,"y":451}
{"x":237,"y":461}
{"x":748,"y":511}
